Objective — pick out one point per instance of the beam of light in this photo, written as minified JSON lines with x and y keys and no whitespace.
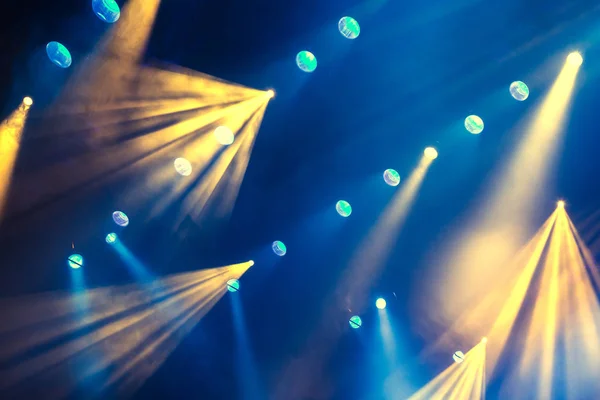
{"x":124,"y":336}
{"x":459,"y":381}
{"x":137,"y":268}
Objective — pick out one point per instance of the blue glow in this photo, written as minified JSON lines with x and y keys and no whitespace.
{"x":381,"y":303}
{"x":233,"y":285}
{"x":355,"y":322}
{"x":59,"y":54}
{"x":279,"y":248}
{"x":107,"y":10}
{"x":111,"y":238}
{"x":120,"y":218}
{"x":75,"y":261}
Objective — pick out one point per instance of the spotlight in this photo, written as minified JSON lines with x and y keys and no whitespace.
{"x":27,"y":101}
{"x":270,"y":93}
{"x":458,"y":357}
{"x":75,"y":261}
{"x":431,"y":153}
{"x":306,"y":61}
{"x":233,"y":285}
{"x":343,"y":208}
{"x":182,"y":166}
{"x":111,"y":238}
{"x":224,"y":135}
{"x":251,"y":262}
{"x":120,"y":218}
{"x":391,"y":177}
{"x":474,"y":124}
{"x":355,"y":322}
{"x":380,"y":303}
{"x":575,"y":59}
{"x":349,"y":27}
{"x":560,"y":204}
{"x":484,"y":340}
{"x":279,"y":248}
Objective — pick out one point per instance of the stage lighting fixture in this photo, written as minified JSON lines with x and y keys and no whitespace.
{"x":458,"y":357}
{"x":575,"y":59}
{"x":484,"y":340}
{"x":474,"y":124}
{"x":120,"y":218}
{"x":279,"y":248}
{"x":355,"y":322}
{"x":381,"y":303}
{"x":224,"y":135}
{"x":111,"y":238}
{"x":182,"y":166}
{"x":519,"y":90}
{"x":75,"y":261}
{"x":391,"y":177}
{"x":107,"y":10}
{"x":233,"y":285}
{"x":270,"y":93}
{"x":431,"y":153}
{"x":349,"y":27}
{"x":560,"y":204}
{"x":59,"y":54}
{"x":251,"y":262}
{"x":306,"y":61}
{"x":27,"y":101}
{"x":343,"y":208}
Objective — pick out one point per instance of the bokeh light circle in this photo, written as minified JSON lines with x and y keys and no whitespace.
{"x":391,"y":177}
{"x":233,"y":285}
{"x":75,"y":261}
{"x":224,"y":135}
{"x":306,"y":61}
{"x":349,"y":27}
{"x":474,"y":124}
{"x":27,"y":101}
{"x":575,"y":58}
{"x":111,"y":238}
{"x":182,"y":166}
{"x":458,"y":357}
{"x":59,"y":54}
{"x":381,"y":303}
{"x":279,"y":248}
{"x":430,"y":153}
{"x":343,"y":208}
{"x":120,"y":218}
{"x":107,"y":10}
{"x":355,"y":322}
{"x":519,"y":90}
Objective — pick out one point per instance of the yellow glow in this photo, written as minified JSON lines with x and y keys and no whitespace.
{"x":560,"y":204}
{"x":575,"y":59}
{"x":431,"y":153}
{"x":270,"y":93}
{"x":251,"y":262}
{"x":27,"y":101}
{"x":224,"y":135}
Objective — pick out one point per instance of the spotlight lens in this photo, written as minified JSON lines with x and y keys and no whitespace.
{"x":251,"y":262}
{"x":306,"y":61}
{"x":355,"y":322}
{"x":107,"y":10}
{"x":458,"y":357}
{"x":519,"y":90}
{"x":391,"y":177}
{"x":279,"y":248}
{"x":349,"y":27}
{"x":271,"y":93}
{"x":560,"y":204}
{"x":182,"y":166}
{"x":111,"y":238}
{"x":224,"y":135}
{"x":75,"y":261}
{"x":474,"y":124}
{"x":120,"y":218}
{"x":380,"y":303}
{"x":431,"y":153}
{"x":343,"y":208}
{"x":59,"y":54}
{"x":233,"y":285}
{"x":484,"y":340}
{"x":28,"y":101}
{"x":575,"y":59}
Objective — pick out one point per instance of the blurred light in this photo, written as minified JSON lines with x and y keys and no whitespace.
{"x":458,"y":356}
{"x":75,"y":261}
{"x":182,"y":166}
{"x":355,"y":322}
{"x":431,"y":153}
{"x":59,"y":54}
{"x":391,"y":177}
{"x":349,"y":27}
{"x":575,"y":59}
{"x":560,"y":204}
{"x":474,"y":124}
{"x":380,"y":303}
{"x":484,"y":340}
{"x":106,"y":10}
{"x":27,"y":101}
{"x":343,"y":208}
{"x":120,"y":218}
{"x":271,"y":93}
{"x":111,"y":238}
{"x":279,"y":248}
{"x":519,"y":90}
{"x":306,"y":61}
{"x":224,"y":135}
{"x":233,"y":285}
{"x":251,"y":262}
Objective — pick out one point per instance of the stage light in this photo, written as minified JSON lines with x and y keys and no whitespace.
{"x":182,"y":166}
{"x":381,"y":303}
{"x":343,"y":208}
{"x":233,"y":285}
{"x":111,"y":238}
{"x":391,"y":177}
{"x":106,"y":10}
{"x":59,"y":54}
{"x":224,"y":135}
{"x":306,"y":61}
{"x":458,"y":356}
{"x":474,"y":124}
{"x":251,"y":262}
{"x":270,"y":93}
{"x":431,"y":153}
{"x":575,"y":59}
{"x":484,"y":340}
{"x":560,"y":204}
{"x":27,"y":101}
{"x":355,"y":322}
{"x":349,"y":27}
{"x":75,"y":261}
{"x":120,"y":218}
{"x":279,"y":248}
{"x":519,"y":90}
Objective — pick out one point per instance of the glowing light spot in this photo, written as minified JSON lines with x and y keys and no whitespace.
{"x":224,"y":135}
{"x":106,"y":10}
{"x":458,"y":357}
{"x":430,"y":153}
{"x":355,"y":322}
{"x":519,"y":90}
{"x":75,"y":261}
{"x":182,"y":166}
{"x":233,"y":285}
{"x":349,"y":27}
{"x":27,"y":101}
{"x":575,"y":59}
{"x":474,"y":124}
{"x":120,"y":218}
{"x":381,"y":303}
{"x":391,"y":177}
{"x":560,"y":204}
{"x":251,"y":262}
{"x":59,"y":54}
{"x":484,"y":340}
{"x":343,"y":208}
{"x":279,"y":248}
{"x":111,"y":238}
{"x":270,"y":93}
{"x":306,"y":61}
